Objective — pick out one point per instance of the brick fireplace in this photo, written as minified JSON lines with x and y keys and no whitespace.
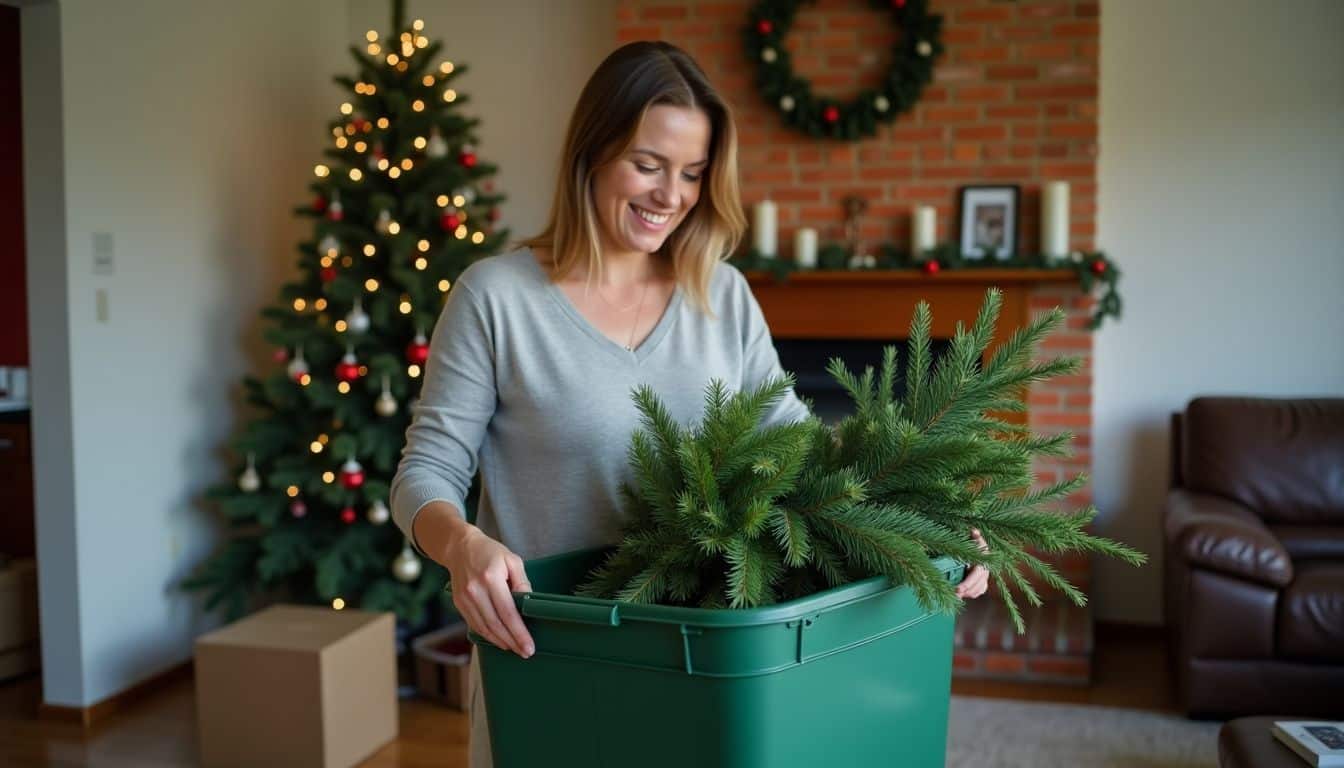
{"x":1014,"y":101}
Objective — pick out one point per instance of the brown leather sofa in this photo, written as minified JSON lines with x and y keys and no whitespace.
{"x":1254,"y":552}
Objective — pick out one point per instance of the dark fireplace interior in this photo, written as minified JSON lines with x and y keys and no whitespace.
{"x":807,"y":360}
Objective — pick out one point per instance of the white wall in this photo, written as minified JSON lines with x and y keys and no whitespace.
{"x":1222,"y":198}
{"x":528,"y":61}
{"x":187,"y":132}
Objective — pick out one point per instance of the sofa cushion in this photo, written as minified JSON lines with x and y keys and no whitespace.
{"x":1311,"y":613}
{"x":1311,"y":542}
{"x":1281,"y":457}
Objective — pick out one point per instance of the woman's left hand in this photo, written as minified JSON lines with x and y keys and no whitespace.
{"x":977,"y":579}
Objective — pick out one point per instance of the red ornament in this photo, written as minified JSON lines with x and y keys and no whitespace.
{"x":328,"y":274}
{"x":348,"y":368}
{"x":764,"y":26}
{"x":832,"y":114}
{"x":297,"y":508}
{"x":494,"y":214}
{"x":348,"y":515}
{"x":352,"y":474}
{"x":1099,"y":267}
{"x":335,"y":212}
{"x":468,"y":159}
{"x":898,"y":4}
{"x":319,"y":204}
{"x":280,"y":355}
{"x":417,"y":351}
{"x":930,"y":267}
{"x":449,"y":221}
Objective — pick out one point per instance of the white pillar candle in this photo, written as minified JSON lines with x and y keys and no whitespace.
{"x":763,"y":228}
{"x":805,"y":248}
{"x":1055,"y":219}
{"x":923,"y":229}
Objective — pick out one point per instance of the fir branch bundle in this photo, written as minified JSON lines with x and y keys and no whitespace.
{"x":737,"y":514}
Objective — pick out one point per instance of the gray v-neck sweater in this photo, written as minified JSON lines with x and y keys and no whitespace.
{"x":521,"y":385}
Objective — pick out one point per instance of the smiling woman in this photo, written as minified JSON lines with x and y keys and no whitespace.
{"x":537,"y":351}
{"x":648,"y":177}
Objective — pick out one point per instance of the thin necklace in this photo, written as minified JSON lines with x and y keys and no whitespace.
{"x":630,"y":345}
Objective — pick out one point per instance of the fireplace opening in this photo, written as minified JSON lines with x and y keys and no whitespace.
{"x":807,"y":359}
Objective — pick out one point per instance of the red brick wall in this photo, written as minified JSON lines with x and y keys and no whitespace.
{"x":1014,"y":100}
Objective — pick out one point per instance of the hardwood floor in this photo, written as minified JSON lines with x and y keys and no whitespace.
{"x":160,"y":730}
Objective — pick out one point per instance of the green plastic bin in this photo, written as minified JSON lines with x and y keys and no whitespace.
{"x":859,"y":675}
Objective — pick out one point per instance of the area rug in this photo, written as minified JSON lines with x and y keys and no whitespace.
{"x":986,"y":732}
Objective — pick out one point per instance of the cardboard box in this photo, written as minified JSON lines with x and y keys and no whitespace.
{"x":297,"y":686}
{"x":19,"y":645}
{"x":441,"y":659}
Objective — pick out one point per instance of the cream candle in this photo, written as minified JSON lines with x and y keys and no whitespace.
{"x":1055,"y":219}
{"x":763,"y":228}
{"x":923,"y":229}
{"x":805,"y":248}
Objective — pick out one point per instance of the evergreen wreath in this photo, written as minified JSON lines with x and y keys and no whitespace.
{"x":735,"y":514}
{"x":911,"y":69}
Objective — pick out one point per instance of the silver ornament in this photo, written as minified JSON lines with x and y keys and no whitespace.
{"x":249,"y":481}
{"x":386,"y":404}
{"x":298,"y":366}
{"x":436,"y":147}
{"x":384,"y":219}
{"x":329,"y":244}
{"x":358,"y":320}
{"x":378,"y":513}
{"x":407,"y":566}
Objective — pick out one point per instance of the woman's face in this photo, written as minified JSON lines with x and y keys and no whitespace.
{"x":643,"y":194}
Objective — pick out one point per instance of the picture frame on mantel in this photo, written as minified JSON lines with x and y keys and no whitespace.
{"x":988,"y":221}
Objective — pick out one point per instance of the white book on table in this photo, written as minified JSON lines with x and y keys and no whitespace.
{"x":1320,"y":743}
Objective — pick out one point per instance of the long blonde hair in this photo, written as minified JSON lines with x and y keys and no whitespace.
{"x":630,"y":81}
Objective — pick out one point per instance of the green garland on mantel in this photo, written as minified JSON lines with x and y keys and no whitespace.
{"x":917,"y":46}
{"x":1092,"y":268}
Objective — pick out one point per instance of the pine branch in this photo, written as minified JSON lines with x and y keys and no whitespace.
{"x":732,"y":513}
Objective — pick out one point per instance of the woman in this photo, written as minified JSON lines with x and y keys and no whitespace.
{"x":537,"y":351}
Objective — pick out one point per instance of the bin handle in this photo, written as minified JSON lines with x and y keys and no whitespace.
{"x":562,"y":608}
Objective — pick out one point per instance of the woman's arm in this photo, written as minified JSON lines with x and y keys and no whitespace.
{"x":457,"y":399}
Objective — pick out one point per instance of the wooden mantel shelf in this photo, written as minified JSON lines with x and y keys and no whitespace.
{"x":977,"y":276}
{"x":878,"y":304}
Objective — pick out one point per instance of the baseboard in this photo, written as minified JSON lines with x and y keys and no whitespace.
{"x":95,"y":713}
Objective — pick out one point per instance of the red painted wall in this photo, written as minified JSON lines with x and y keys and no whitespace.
{"x":13,"y":293}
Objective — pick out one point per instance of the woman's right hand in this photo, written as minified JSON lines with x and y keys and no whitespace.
{"x":484,"y":573}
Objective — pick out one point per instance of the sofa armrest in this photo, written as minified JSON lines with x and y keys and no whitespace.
{"x":1212,"y":532}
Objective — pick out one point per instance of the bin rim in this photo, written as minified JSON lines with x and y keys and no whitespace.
{"x":791,"y":610}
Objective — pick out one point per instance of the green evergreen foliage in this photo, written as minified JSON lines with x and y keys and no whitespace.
{"x":734,"y":513}
{"x":400,"y":109}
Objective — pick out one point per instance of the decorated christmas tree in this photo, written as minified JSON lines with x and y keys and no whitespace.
{"x":733,"y":514}
{"x":401,"y":207}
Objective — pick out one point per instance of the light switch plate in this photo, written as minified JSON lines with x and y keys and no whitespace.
{"x":103,"y":253}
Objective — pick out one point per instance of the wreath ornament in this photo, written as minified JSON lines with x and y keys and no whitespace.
{"x":918,"y":45}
